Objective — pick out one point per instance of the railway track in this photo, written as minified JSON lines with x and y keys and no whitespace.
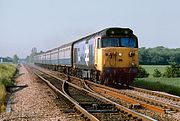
{"x":158,"y":94}
{"x":90,"y":105}
{"x":150,"y":107}
{"x":159,"y":107}
{"x":150,"y":103}
{"x":164,"y":105}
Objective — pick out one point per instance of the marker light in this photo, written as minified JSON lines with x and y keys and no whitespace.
{"x":125,"y":32}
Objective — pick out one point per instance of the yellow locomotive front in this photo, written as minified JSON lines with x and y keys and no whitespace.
{"x":116,"y":57}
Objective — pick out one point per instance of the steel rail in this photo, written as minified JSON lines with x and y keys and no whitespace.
{"x":135,"y":114}
{"x":156,"y":102}
{"x":77,"y":106}
{"x":113,"y":92}
{"x":141,"y":98}
{"x":122,"y":108}
{"x":126,"y":99}
{"x":164,"y":95}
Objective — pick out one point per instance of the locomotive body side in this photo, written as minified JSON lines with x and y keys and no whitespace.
{"x":83,"y":54}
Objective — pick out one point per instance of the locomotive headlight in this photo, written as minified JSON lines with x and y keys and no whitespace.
{"x":120,"y":54}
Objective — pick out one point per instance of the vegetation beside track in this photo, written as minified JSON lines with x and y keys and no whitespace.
{"x":7,"y":71}
{"x":169,"y":85}
{"x":150,"y":69}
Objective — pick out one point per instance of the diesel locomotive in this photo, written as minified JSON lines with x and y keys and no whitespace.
{"x":109,"y":57}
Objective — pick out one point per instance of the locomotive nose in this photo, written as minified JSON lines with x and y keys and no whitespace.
{"x":120,"y":57}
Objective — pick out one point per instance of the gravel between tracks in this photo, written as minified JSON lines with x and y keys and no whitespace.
{"x":37,"y":102}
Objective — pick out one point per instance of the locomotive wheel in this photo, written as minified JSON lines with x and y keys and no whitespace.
{"x":80,"y":73}
{"x":102,"y":81}
{"x":110,"y":81}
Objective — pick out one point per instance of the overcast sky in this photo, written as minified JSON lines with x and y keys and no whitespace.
{"x":46,"y":24}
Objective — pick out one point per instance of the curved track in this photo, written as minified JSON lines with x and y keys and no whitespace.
{"x":91,"y":105}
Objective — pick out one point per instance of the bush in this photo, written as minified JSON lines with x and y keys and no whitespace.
{"x":157,"y":73}
{"x":142,"y":73}
{"x":7,"y":72}
{"x":172,"y":71}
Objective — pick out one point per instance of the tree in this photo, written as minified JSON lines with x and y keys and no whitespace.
{"x":30,"y":59}
{"x":157,"y":73}
{"x":142,"y":73}
{"x":158,"y":56}
{"x":15,"y":59}
{"x":172,"y":71}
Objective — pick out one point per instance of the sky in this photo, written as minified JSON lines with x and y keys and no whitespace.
{"x":46,"y":24}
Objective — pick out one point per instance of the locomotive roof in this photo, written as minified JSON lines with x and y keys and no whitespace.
{"x":62,"y":46}
{"x":104,"y":32}
{"x":107,"y":32}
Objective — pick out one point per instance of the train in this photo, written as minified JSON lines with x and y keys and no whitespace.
{"x":108,"y":57}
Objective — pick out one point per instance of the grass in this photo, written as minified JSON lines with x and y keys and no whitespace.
{"x":169,"y":85}
{"x":2,"y":96}
{"x":7,"y":72}
{"x":150,"y":68}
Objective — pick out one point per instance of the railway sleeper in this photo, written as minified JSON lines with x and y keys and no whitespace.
{"x":168,"y":111}
{"x":99,"y":108}
{"x":135,"y":106}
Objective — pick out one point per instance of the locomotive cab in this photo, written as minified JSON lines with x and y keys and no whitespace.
{"x":116,"y":57}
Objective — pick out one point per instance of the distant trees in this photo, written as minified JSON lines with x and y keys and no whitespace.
{"x":15,"y":59}
{"x":30,"y":58}
{"x":158,"y":56}
{"x":6,"y":59}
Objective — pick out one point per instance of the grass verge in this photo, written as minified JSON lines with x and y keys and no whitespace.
{"x":2,"y":97}
{"x":169,"y":85}
{"x":7,"y":71}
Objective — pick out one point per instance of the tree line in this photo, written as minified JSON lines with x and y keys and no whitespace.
{"x":15,"y":59}
{"x":158,"y":56}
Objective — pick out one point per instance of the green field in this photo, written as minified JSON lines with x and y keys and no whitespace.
{"x":7,"y":72}
{"x":150,"y":68}
{"x":169,"y":85}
